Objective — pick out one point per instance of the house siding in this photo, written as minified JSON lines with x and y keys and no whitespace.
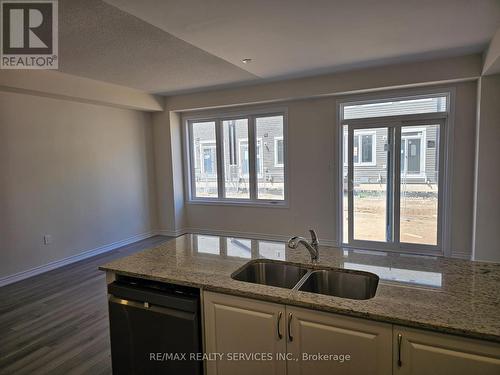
{"x":377,"y":173}
{"x":268,"y":129}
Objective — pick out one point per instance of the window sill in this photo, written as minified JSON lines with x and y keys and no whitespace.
{"x":263,"y":203}
{"x":405,"y":248}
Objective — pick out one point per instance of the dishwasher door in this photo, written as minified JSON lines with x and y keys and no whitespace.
{"x":153,"y":332}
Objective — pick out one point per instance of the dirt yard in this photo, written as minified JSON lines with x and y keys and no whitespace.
{"x":418,"y":219}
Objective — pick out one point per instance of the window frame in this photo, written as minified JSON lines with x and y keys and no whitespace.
{"x":446,"y":121}
{"x":218,"y":117}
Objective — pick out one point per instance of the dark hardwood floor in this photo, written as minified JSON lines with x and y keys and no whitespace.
{"x":57,"y":322}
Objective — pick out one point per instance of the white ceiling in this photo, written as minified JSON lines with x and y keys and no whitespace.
{"x":173,"y":46}
{"x":99,"y":41}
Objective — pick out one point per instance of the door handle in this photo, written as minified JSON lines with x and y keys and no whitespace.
{"x":290,"y":317}
{"x":280,"y":314}
{"x":400,"y":339}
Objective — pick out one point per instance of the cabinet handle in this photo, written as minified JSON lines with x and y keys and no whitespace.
{"x":400,"y":339}
{"x":280,"y":314}
{"x":290,"y":337}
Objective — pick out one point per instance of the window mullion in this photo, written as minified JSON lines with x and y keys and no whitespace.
{"x":252,"y":155}
{"x":350,"y":184}
{"x":220,"y":162}
{"x":397,"y":186}
{"x":443,"y":220}
{"x":191,"y":160}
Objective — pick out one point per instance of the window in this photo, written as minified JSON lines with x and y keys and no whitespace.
{"x":396,"y":108}
{"x":271,"y":182}
{"x":237,"y":159}
{"x":236,"y":183}
{"x":364,"y":151}
{"x":278,"y":152}
{"x":392,"y":178}
{"x":366,"y":148}
{"x":205,"y":156}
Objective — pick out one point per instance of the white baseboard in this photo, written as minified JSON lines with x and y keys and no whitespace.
{"x":171,"y":233}
{"x":112,"y":246}
{"x":74,"y":258}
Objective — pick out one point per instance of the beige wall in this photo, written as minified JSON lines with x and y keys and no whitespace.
{"x":90,"y":175}
{"x":82,"y":173}
{"x":487,"y":215}
{"x":361,"y":80}
{"x":311,"y":105}
{"x":311,"y":135}
{"x":312,"y":187}
{"x":51,"y":83}
{"x":163,"y":170}
{"x":462,"y":185}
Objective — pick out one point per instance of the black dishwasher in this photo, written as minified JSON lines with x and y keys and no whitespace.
{"x":154,"y":327}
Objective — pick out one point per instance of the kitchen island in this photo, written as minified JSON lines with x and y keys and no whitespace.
{"x":450,"y":296}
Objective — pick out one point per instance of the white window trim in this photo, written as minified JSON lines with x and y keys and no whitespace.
{"x":345,"y":148}
{"x":372,"y":163}
{"x":446,"y":161}
{"x":276,"y":164}
{"x":188,"y":156}
{"x":373,"y":134}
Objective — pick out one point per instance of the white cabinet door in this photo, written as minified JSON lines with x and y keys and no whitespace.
{"x":428,"y":353}
{"x":368,"y":344}
{"x":237,"y":326}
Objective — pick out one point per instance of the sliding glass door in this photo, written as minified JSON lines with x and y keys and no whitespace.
{"x":419,"y":184}
{"x":368,"y":173}
{"x":391,"y":183}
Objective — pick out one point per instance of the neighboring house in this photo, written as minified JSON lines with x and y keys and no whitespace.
{"x":419,"y":150}
{"x":419,"y":144}
{"x":269,"y":155}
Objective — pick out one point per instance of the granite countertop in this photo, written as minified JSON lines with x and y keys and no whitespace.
{"x":442,"y":294}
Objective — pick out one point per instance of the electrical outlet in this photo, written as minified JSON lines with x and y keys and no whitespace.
{"x":47,"y":239}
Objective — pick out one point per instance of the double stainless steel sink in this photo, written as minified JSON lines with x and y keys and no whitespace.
{"x":332,"y":281}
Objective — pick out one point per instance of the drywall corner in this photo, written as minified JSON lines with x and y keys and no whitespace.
{"x":487,"y":179}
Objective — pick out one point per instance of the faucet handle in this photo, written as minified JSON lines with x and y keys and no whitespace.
{"x":314,"y":237}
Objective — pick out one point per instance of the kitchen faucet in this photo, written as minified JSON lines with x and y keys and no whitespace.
{"x":312,"y":247}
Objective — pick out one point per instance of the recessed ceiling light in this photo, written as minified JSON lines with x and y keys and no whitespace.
{"x":246,"y":61}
